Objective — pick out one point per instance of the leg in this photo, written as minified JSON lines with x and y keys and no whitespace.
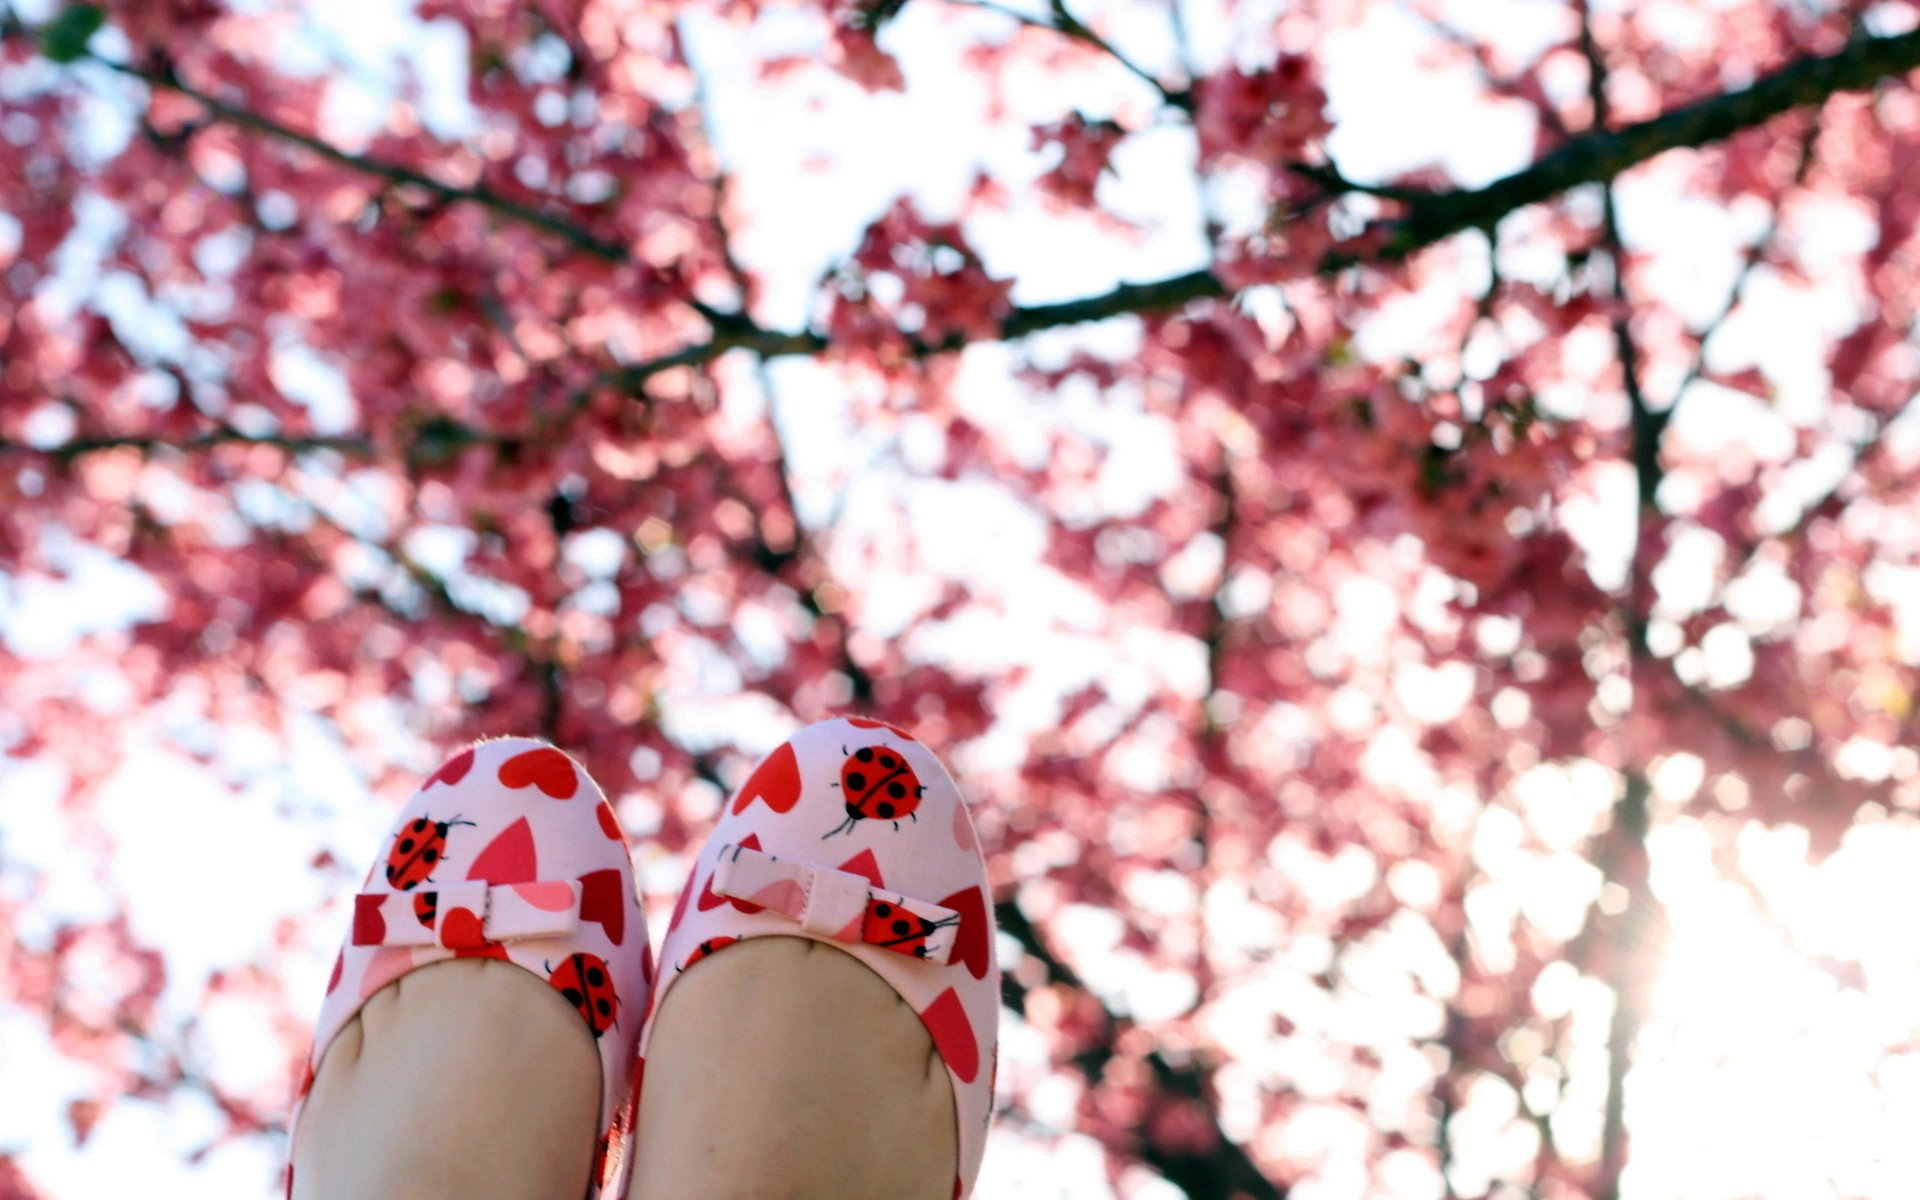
{"x":784,"y":1069}
{"x":468,"y":1078}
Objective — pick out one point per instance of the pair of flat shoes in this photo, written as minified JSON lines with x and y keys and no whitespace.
{"x":850,"y":832}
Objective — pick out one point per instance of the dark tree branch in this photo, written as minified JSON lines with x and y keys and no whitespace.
{"x":1218,"y":627}
{"x":1756,"y":254}
{"x":73,"y":448}
{"x":803,"y":556}
{"x":1067,"y":25}
{"x":1625,"y":980}
{"x":553,"y":694}
{"x":1622,"y":856}
{"x":430,"y":443}
{"x":1592,"y":157}
{"x":766,"y":343}
{"x":1600,"y":154}
{"x":1481,"y":54}
{"x":1446,"y":1088}
{"x":1646,"y":424}
{"x":1224,"y":1172}
{"x":486,"y":198}
{"x":800,"y":556}
{"x":1331,"y":178}
{"x":1158,"y":296}
{"x":1829,"y":502}
{"x":1595,"y":156}
{"x":434,"y":586}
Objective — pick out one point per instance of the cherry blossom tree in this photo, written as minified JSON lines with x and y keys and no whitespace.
{"x":1329,"y":655}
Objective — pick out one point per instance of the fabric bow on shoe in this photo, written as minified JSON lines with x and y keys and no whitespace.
{"x":467,"y":916}
{"x":837,"y":904}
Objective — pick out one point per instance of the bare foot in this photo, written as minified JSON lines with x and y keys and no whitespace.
{"x":781,"y":1068}
{"x":468,"y":1078}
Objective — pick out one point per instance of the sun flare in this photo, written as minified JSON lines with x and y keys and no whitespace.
{"x":1778,"y":1060}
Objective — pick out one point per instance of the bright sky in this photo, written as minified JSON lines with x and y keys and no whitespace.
{"x":1759,"y":1077}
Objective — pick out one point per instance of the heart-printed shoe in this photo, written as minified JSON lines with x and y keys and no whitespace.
{"x":853,"y":833}
{"x":508,"y":851}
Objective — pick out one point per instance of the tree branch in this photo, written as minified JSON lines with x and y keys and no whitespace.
{"x":486,"y":198}
{"x":1756,"y":254}
{"x":1622,"y":857}
{"x":1336,"y":182}
{"x":432,"y":442}
{"x":1067,"y":25}
{"x":1647,"y":425}
{"x":1595,"y":156}
{"x":1829,"y":502}
{"x":73,"y":448}
{"x":1224,"y":1170}
{"x":801,"y":555}
{"x":767,"y":343}
{"x":1599,"y":154}
{"x":1481,"y":55}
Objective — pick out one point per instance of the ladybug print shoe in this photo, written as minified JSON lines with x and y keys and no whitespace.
{"x":853,"y":833}
{"x":509,"y":851}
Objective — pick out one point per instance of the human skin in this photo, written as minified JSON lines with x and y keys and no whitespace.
{"x":778,"y":1069}
{"x":468,"y":1077}
{"x":782,"y":1068}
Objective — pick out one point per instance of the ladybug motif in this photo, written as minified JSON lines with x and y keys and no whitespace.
{"x":426,"y":905}
{"x":878,"y":785}
{"x":583,"y":979}
{"x":897,"y":929}
{"x":417,"y":849}
{"x":705,"y":948}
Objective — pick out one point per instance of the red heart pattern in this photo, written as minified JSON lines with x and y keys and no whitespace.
{"x":680,"y":904}
{"x":507,"y":828}
{"x":710,"y":899}
{"x":460,"y":929}
{"x":602,"y":900}
{"x":776,"y":780}
{"x":546,"y":768}
{"x":492,"y":802}
{"x":369,"y":927}
{"x":870,"y":723}
{"x":970,"y":940}
{"x":549,"y":894}
{"x":946,"y":1020}
{"x":934,"y":851}
{"x":509,"y":858}
{"x":451,"y":771}
{"x":863,"y":863}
